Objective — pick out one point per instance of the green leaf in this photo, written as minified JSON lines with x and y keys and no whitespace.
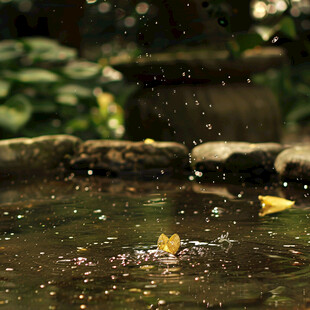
{"x":10,"y":50}
{"x":61,"y":54}
{"x":43,"y":106}
{"x":243,"y":42}
{"x":39,"y":44}
{"x":266,"y":32}
{"x":76,"y":90}
{"x":67,"y":99}
{"x":36,"y":76}
{"x":43,"y":49}
{"x":287,"y":27}
{"x":82,"y":70}
{"x":4,"y":88}
{"x":299,"y":113}
{"x":15,"y":113}
{"x":77,"y":124}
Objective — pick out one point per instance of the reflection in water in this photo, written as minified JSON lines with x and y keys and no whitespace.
{"x":91,"y":244}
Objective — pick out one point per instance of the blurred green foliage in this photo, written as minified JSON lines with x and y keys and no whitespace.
{"x":292,"y":87}
{"x":46,"y":89}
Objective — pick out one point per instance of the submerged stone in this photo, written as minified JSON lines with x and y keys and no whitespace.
{"x":127,"y":156}
{"x":294,"y":164}
{"x":255,"y":159}
{"x":41,"y":155}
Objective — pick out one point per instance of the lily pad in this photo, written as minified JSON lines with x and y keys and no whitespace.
{"x":15,"y":113}
{"x":10,"y":50}
{"x":82,"y":70}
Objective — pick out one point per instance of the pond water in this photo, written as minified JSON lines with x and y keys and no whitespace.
{"x":91,"y":244}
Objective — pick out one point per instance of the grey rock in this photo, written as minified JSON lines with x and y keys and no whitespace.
{"x":41,"y":155}
{"x":294,"y":163}
{"x":120,"y":156}
{"x":236,"y":157}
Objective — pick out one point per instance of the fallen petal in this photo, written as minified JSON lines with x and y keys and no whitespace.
{"x":272,"y":204}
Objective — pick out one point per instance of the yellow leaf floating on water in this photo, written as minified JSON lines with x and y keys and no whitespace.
{"x":147,"y":267}
{"x":135,"y":290}
{"x":272,"y":204}
{"x":169,"y":245}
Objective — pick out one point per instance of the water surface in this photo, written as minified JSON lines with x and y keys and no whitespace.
{"x":91,"y":244}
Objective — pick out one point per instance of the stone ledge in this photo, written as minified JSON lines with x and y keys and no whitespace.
{"x":236,"y":157}
{"x":41,"y":155}
{"x":127,"y":156}
{"x":294,"y":164}
{"x":52,"y":155}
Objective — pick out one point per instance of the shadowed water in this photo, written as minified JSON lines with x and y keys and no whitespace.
{"x":91,"y":244}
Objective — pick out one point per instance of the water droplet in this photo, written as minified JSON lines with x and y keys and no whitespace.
{"x":275,"y":39}
{"x":248,"y":80}
{"x":222,"y":21}
{"x":209,"y":126}
{"x":198,"y":174}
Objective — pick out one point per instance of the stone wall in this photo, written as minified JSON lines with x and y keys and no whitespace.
{"x":247,"y":162}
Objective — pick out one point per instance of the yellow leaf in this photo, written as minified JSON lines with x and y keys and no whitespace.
{"x":81,"y":249}
{"x":104,"y":101}
{"x":135,"y":290}
{"x":147,"y":267}
{"x":169,"y":245}
{"x":272,"y":204}
{"x":162,"y":241}
{"x":148,"y":141}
